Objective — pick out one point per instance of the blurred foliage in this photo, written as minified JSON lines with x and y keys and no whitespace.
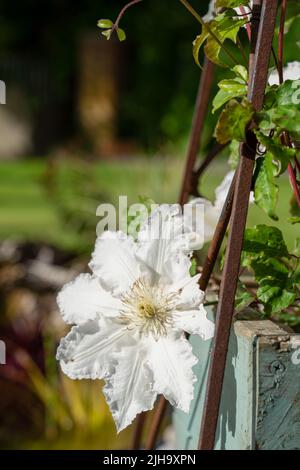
{"x":73,"y":187}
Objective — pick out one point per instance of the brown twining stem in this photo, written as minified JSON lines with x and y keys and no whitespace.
{"x":200,"y":112}
{"x":248,"y":27}
{"x":215,"y":150}
{"x":121,"y":14}
{"x":280,"y":40}
{"x":237,"y":226}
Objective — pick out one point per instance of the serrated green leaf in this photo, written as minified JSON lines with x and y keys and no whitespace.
{"x":105,"y":24}
{"x":233,"y":121}
{"x":288,"y":93}
{"x":269,"y":268}
{"x":221,"y":27}
{"x":279,"y":152}
{"x":230,"y":88}
{"x":265,"y":239}
{"x":265,"y":188}
{"x":241,"y":72}
{"x":284,"y":117}
{"x":266,"y":292}
{"x":281,"y":301}
{"x":121,"y":34}
{"x":294,"y":220}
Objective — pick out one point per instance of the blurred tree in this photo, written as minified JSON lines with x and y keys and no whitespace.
{"x":159,"y":78}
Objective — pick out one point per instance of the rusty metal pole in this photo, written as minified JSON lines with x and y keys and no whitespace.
{"x":237,"y":226}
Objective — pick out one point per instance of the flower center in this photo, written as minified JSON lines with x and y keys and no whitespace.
{"x":148,"y":308}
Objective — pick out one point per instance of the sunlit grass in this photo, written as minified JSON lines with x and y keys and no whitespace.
{"x":28,"y":213}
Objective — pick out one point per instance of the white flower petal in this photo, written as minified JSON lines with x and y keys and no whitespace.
{"x":188,"y":293}
{"x":210,"y":12}
{"x":84,"y":299}
{"x":290,"y":72}
{"x":211,"y":216}
{"x":171,"y":360}
{"x":128,"y":388}
{"x":114,"y":261}
{"x":222,"y":190}
{"x":85,"y":353}
{"x":162,"y":238}
{"x":194,"y":322}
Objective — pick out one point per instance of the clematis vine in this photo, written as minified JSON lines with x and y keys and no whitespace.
{"x":131,"y":314}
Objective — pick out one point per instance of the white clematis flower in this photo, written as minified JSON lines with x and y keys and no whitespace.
{"x":290,"y":72}
{"x":130,"y":316}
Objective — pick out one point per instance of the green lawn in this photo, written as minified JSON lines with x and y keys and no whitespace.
{"x":28,"y":213}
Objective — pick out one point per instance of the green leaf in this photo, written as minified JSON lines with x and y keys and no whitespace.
{"x":288,"y":93}
{"x":233,"y":121}
{"x":265,"y":188}
{"x":105,"y":24}
{"x":241,"y":72}
{"x":285,"y":117}
{"x":266,"y":291}
{"x":265,"y":239}
{"x":279,"y":152}
{"x":234,"y":154}
{"x":231,"y":3}
{"x":121,"y":34}
{"x":265,"y":252}
{"x":228,"y":89}
{"x":221,"y":27}
{"x":269,"y":268}
{"x":107,"y":33}
{"x":243,"y":300}
{"x":283,"y":300}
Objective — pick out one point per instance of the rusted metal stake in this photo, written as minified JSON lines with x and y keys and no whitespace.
{"x":237,"y":226}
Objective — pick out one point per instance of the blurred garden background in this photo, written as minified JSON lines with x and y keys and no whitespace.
{"x":85,"y":120}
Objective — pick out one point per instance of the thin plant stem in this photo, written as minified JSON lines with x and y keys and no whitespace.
{"x":280,"y":40}
{"x":189,"y":7}
{"x":241,"y":48}
{"x":121,"y":14}
{"x":248,"y":24}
